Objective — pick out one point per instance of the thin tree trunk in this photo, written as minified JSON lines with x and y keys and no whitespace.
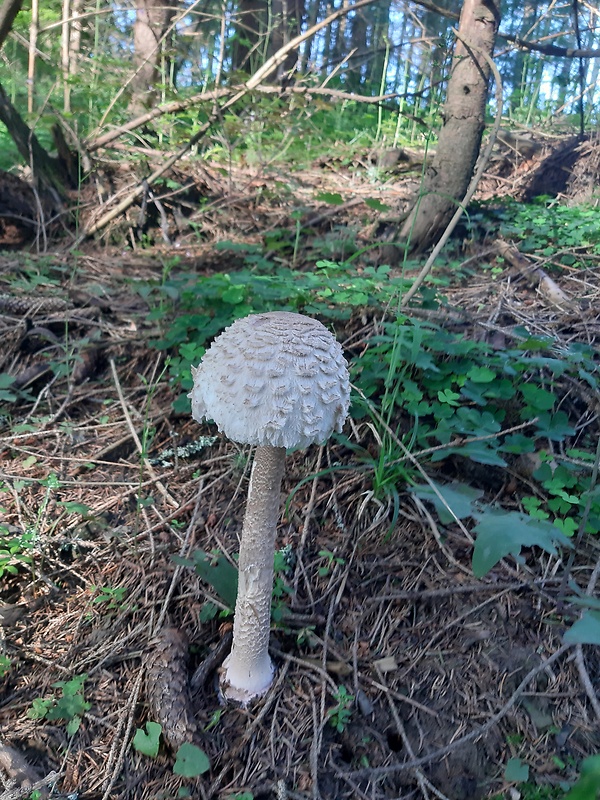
{"x":8,"y":11}
{"x":358,"y":44}
{"x":312,"y":17}
{"x":152,"y":20}
{"x":286,"y":17}
{"x":64,"y":55}
{"x":33,"y":36}
{"x":75,"y":37}
{"x":46,"y":170}
{"x":251,"y":23}
{"x":448,"y":176}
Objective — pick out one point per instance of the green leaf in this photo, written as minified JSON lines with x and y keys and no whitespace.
{"x":481,"y":452}
{"x":516,"y":771}
{"x":458,"y":496}
{"x":481,"y":375}
{"x":588,"y":785}
{"x":148,"y":742}
{"x":502,"y":533}
{"x":333,"y":198}
{"x":73,"y":725}
{"x":585,"y":631}
{"x":538,"y":398}
{"x":375,"y":204}
{"x":191,"y":761}
{"x":234,"y":295}
{"x":449,"y":397}
{"x":587,"y":602}
{"x":219,"y":573}
{"x":207,"y":612}
{"x":6,"y":380}
{"x":554,"y":426}
{"x":75,"y":508}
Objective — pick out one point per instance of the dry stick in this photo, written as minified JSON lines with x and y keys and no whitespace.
{"x":183,"y":551}
{"x":474,"y":181}
{"x":382,"y":772}
{"x":27,"y":791}
{"x":113,"y":758}
{"x":547,"y":287}
{"x":424,"y":783}
{"x":215,"y":94}
{"x":579,"y":659}
{"x":159,"y":485}
{"x":268,"y":67}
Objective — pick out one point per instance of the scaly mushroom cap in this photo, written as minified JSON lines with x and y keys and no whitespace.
{"x":276,"y":379}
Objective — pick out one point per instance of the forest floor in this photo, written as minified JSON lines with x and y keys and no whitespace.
{"x":399,"y":674}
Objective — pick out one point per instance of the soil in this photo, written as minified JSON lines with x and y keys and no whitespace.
{"x":450,"y":676}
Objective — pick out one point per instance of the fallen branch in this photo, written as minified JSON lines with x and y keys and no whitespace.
{"x":535,"y":276}
{"x":216,"y":94}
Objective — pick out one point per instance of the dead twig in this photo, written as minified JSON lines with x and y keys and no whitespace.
{"x":159,"y":485}
{"x":436,"y":755}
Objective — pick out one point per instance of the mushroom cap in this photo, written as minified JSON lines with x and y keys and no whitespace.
{"x":277,"y":379}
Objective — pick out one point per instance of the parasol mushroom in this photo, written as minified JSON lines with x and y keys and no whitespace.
{"x":279,"y":381}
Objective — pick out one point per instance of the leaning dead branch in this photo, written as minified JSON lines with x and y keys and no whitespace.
{"x":535,"y":276}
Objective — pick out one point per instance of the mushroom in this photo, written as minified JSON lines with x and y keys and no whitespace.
{"x":279,"y":381}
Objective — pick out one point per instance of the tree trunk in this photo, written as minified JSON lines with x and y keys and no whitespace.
{"x":251,"y":22}
{"x":358,"y":44}
{"x":286,"y":22}
{"x":8,"y":11}
{"x":311,"y":20}
{"x":152,"y":20}
{"x":46,"y":170}
{"x":448,"y":177}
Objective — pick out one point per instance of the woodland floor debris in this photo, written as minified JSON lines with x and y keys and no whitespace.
{"x":396,"y":617}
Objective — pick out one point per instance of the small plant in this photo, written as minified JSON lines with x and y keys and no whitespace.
{"x":330,"y":561}
{"x":5,"y":664}
{"x":68,"y":707}
{"x":148,"y":742}
{"x":282,"y":564}
{"x":111,"y":597}
{"x":190,"y":761}
{"x":14,"y":550}
{"x":214,"y":720}
{"x":339,"y":716}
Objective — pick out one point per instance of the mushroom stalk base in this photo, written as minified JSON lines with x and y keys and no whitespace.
{"x":248,"y":670}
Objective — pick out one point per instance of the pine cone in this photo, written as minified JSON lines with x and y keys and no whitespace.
{"x":168,"y":689}
{"x":26,"y":305}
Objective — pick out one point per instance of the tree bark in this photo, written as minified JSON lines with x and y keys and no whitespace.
{"x":287,"y":16}
{"x":448,"y":177}
{"x":358,"y":45}
{"x":8,"y":11}
{"x":251,"y":23}
{"x":46,"y":170}
{"x":152,"y":20}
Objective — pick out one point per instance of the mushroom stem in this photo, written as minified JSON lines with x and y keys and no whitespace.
{"x":248,"y":668}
